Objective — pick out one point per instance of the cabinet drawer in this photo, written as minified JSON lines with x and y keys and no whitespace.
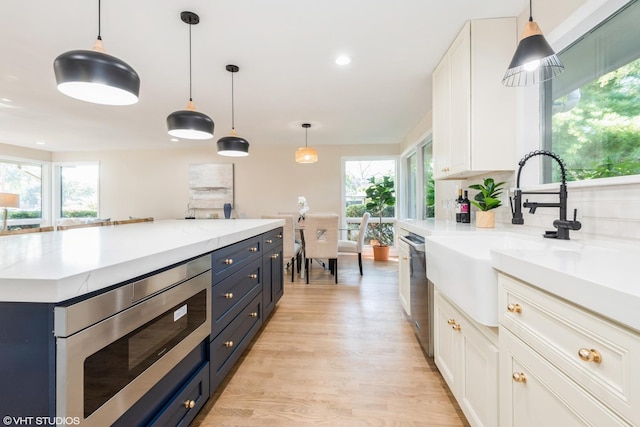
{"x":594,"y":352}
{"x":232,"y":294}
{"x":188,"y":402}
{"x":228,"y":346}
{"x":534,"y":393}
{"x":228,"y":260}
{"x":271,"y":239}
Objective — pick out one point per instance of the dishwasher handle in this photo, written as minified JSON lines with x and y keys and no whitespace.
{"x":417,"y":246}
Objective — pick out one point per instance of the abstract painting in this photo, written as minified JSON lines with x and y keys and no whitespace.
{"x":210,"y":186}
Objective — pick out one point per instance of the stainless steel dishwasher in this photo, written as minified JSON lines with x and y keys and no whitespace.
{"x":421,"y":292}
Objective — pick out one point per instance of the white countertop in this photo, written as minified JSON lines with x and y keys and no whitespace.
{"x":599,"y":275}
{"x":60,"y":265}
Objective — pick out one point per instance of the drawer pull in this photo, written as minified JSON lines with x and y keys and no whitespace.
{"x":269,"y":241}
{"x":254,"y":314}
{"x":514,"y":308}
{"x":189,"y":404}
{"x":228,"y":295}
{"x":228,"y":261}
{"x":519,"y":377}
{"x":253,"y":249}
{"x":279,"y":236}
{"x":253,"y":276}
{"x":456,"y":327}
{"x":275,"y":256}
{"x":590,"y":355}
{"x":451,"y":321}
{"x":228,"y":344}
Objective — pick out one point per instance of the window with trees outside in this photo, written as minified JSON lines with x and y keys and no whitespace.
{"x":357,"y":177}
{"x":591,"y":112}
{"x":78,"y":190}
{"x":24,"y":179}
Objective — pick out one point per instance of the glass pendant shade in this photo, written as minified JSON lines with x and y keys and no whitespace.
{"x":190,"y":124}
{"x":233,"y":146}
{"x":306,"y":155}
{"x":534,"y":60}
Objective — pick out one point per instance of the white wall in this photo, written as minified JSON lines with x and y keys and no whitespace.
{"x":155,"y":183}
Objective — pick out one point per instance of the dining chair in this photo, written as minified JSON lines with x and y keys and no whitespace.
{"x":68,"y":225}
{"x":290,"y":248}
{"x":351,"y":246}
{"x":132,"y":220}
{"x":321,"y":241}
{"x":27,"y":230}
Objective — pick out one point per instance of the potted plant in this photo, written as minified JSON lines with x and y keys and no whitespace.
{"x":486,"y":200}
{"x":380,"y":195}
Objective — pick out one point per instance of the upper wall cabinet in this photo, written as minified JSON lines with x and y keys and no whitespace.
{"x":474,"y":120}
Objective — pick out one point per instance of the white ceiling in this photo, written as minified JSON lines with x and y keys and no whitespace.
{"x":285,"y":50}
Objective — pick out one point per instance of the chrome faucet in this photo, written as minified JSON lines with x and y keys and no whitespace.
{"x":562,"y":224}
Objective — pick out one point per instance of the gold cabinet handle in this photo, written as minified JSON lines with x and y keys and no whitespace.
{"x":404,"y":257}
{"x":253,"y":276}
{"x":253,"y":249}
{"x":275,"y":256}
{"x":514,"y":308}
{"x":228,"y":295}
{"x":189,"y":404}
{"x":269,"y":241}
{"x":519,"y":377}
{"x":228,"y":344}
{"x":254,"y":314}
{"x":279,"y":236}
{"x":228,"y":261}
{"x":451,"y":321}
{"x":456,"y":327}
{"x":590,"y":355}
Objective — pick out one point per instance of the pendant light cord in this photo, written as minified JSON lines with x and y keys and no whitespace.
{"x":530,"y":11}
{"x":190,"y":84}
{"x":233,"y":119}
{"x":306,"y":133}
{"x":99,"y":20}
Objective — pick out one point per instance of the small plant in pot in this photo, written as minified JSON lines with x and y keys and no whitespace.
{"x":380,"y":195}
{"x":486,"y":200}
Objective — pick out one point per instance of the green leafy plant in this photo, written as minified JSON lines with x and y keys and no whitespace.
{"x":487,"y":198}
{"x":380,"y":195}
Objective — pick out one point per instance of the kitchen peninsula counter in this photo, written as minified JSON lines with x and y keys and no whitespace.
{"x":56,"y":266}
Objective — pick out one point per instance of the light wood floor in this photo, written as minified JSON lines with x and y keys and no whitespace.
{"x":335,"y":355}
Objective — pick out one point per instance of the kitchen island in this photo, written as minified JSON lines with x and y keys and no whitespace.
{"x":172,"y":297}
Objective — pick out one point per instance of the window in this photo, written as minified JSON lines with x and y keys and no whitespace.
{"x":591,"y":113}
{"x":412,"y":186}
{"x":419,"y":184}
{"x":429,"y":210}
{"x":78,"y":190}
{"x":24,"y":179}
{"x":357,"y":174}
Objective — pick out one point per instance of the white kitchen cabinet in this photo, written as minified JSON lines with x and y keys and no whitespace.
{"x":474,"y":122}
{"x":465,"y":352}
{"x":404,"y":277}
{"x":580,"y":367}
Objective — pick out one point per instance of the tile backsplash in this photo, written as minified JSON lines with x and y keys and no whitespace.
{"x":605,"y":210}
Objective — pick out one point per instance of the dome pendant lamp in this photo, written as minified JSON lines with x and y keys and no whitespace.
{"x":233,"y":145}
{"x":306,"y":154}
{"x":534,"y":60}
{"x":95,"y":76}
{"x":189,"y":123}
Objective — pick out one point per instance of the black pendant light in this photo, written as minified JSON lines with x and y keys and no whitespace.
{"x":534,"y":60}
{"x":95,"y":76}
{"x":233,"y":145}
{"x":306,"y":154}
{"x":189,"y":123}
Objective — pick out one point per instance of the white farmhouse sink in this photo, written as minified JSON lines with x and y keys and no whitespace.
{"x":460,"y":266}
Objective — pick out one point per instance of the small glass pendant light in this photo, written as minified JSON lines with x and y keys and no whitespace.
{"x":306,"y":154}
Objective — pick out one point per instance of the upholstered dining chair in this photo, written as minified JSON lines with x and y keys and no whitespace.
{"x":350,"y":246}
{"x":290,"y":248}
{"x":321,"y":241}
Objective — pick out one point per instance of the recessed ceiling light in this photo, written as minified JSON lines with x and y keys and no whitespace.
{"x":40,"y":143}
{"x":343,"y":60}
{"x":174,"y":140}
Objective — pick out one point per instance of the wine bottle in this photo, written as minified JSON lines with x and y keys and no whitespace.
{"x":465,"y":209}
{"x":459,"y":206}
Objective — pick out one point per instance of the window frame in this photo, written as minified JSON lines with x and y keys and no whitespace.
{"x":56,"y":199}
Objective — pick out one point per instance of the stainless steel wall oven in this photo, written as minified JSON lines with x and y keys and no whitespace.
{"x":112,"y":348}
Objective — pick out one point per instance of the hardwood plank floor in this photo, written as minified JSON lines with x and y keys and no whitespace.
{"x":338,"y":355}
